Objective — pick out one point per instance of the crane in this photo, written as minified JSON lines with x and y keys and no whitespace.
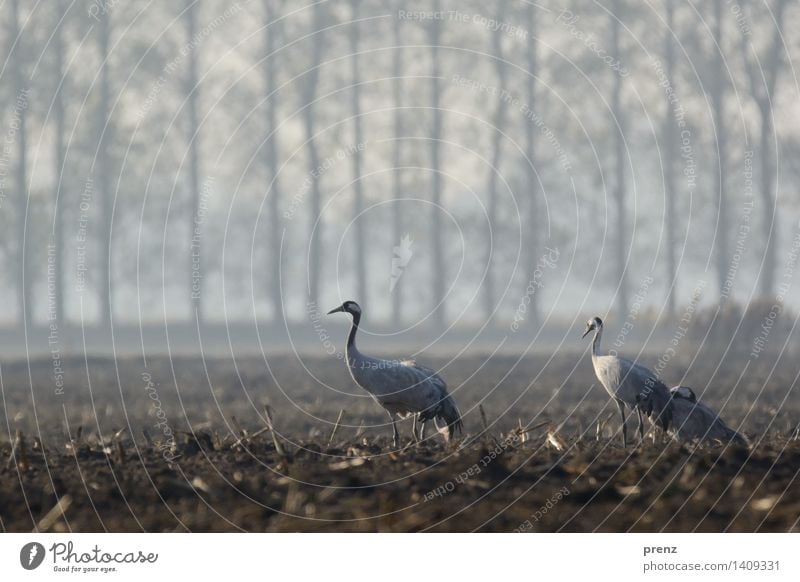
{"x":693,"y":420}
{"x":402,"y":387}
{"x":630,"y":384}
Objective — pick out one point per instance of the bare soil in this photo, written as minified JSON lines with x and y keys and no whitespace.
{"x":183,"y":445}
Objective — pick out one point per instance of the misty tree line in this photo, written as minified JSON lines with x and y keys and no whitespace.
{"x":246,"y":159}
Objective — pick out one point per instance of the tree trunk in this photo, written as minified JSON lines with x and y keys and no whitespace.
{"x":309,"y":94}
{"x":271,"y":150}
{"x":358,"y":187}
{"x":397,"y":184}
{"x":769,"y":225}
{"x":498,"y":121}
{"x":670,"y":144}
{"x":196,"y":272}
{"x":720,"y":228}
{"x":438,"y":275}
{"x":763,"y":77}
{"x":104,"y":179}
{"x":60,"y":156}
{"x":534,"y":223}
{"x":619,"y":167}
{"x":21,"y":169}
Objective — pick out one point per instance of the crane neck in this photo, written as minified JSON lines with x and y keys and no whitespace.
{"x":596,"y":342}
{"x":351,"y":338}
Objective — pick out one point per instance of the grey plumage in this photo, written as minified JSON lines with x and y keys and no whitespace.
{"x":402,"y":387}
{"x":630,"y":384}
{"x":693,"y":420}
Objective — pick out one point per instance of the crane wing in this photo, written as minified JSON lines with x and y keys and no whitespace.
{"x":696,"y":421}
{"x":423,"y":374}
{"x":641,"y":388}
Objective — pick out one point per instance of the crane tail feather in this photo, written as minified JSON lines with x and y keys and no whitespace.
{"x":658,"y":406}
{"x":449,"y":414}
{"x":736,"y":438}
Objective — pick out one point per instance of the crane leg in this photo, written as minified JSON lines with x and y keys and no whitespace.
{"x":395,"y":434}
{"x":422,"y":430}
{"x":414,"y":429}
{"x":621,"y":405}
{"x":641,"y":425}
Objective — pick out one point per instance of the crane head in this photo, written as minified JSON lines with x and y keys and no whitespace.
{"x":592,"y":324}
{"x":683,"y":392}
{"x":350,"y":307}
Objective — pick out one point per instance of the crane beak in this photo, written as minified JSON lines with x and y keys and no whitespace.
{"x":588,"y":329}
{"x":337,"y":310}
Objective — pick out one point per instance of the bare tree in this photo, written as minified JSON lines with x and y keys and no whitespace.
{"x":397,"y":159}
{"x":358,"y":187}
{"x":21,"y":170}
{"x":534,"y":222}
{"x":498,"y":123}
{"x":103,"y":163}
{"x":309,"y":120}
{"x":59,"y":158}
{"x":618,"y":114}
{"x":192,"y":95}
{"x":762,"y":88}
{"x":668,"y":135}
{"x":439,"y":274}
{"x":272,"y":13}
{"x":716,"y":96}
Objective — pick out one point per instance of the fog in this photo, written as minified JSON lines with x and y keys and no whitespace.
{"x":216,"y":176}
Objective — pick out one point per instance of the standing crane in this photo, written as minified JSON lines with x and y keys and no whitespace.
{"x":693,"y":420}
{"x":630,"y":384}
{"x":402,"y":387}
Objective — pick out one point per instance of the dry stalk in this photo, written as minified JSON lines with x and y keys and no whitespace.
{"x":18,"y":453}
{"x":270,"y":426}
{"x":336,"y":426}
{"x":54,"y":514}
